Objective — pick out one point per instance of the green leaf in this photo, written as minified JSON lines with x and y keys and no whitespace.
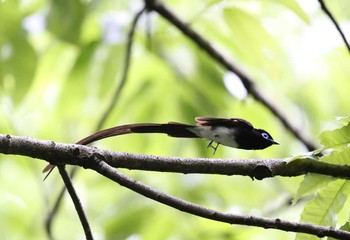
{"x":312,"y":183}
{"x":247,"y":30}
{"x":214,"y":2}
{"x":324,"y":208}
{"x":18,"y":69}
{"x":295,"y":7}
{"x":18,"y":60}
{"x":65,"y":19}
{"x":344,"y":120}
{"x":304,"y":157}
{"x":343,"y":216}
{"x":337,"y":156}
{"x":345,"y":227}
{"x":336,"y":138}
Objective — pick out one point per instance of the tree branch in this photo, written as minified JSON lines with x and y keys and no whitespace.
{"x":75,"y":199}
{"x":56,"y":206}
{"x":329,"y":14}
{"x":99,"y":160}
{"x":247,"y":81}
{"x":84,"y":156}
{"x":125,"y":72}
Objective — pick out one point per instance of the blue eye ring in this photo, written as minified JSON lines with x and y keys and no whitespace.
{"x":265,"y":135}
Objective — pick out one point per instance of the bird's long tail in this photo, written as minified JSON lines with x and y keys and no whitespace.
{"x":172,"y":129}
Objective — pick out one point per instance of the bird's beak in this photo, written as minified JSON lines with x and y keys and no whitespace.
{"x":274,"y":142}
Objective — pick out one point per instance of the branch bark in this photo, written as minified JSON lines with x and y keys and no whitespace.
{"x":84,"y":156}
{"x":185,"y":206}
{"x":76,"y":201}
{"x":103,"y":161}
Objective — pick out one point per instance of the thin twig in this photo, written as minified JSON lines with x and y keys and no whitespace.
{"x":125,"y":72}
{"x":185,"y":206}
{"x":330,"y":15}
{"x":76,"y":201}
{"x":148,"y":31}
{"x":56,"y":206}
{"x":247,"y":81}
{"x":51,"y":215}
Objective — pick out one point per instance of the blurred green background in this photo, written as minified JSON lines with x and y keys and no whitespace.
{"x":61,"y":62}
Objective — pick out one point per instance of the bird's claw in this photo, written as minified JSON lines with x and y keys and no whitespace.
{"x":211,"y":146}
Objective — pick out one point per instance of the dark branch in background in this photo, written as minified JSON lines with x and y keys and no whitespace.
{"x":125,"y":72}
{"x":149,"y":32}
{"x":248,"y":82}
{"x":76,"y":201}
{"x":329,"y":14}
{"x":185,"y":206}
{"x":84,"y":156}
{"x":51,"y":214}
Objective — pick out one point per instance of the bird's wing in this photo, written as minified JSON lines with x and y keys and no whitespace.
{"x":229,"y":122}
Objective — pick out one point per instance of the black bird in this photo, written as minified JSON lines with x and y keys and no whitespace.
{"x":231,"y":132}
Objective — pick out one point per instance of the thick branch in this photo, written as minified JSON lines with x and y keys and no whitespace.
{"x":247,"y":81}
{"x":73,"y":154}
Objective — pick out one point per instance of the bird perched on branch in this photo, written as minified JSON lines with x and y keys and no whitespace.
{"x":231,"y":132}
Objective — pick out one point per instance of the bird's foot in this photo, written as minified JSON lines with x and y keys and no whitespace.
{"x":211,"y":146}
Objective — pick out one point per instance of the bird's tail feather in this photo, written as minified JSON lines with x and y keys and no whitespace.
{"x":173,"y":129}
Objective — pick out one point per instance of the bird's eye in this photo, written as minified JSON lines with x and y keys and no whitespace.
{"x":265,"y":135}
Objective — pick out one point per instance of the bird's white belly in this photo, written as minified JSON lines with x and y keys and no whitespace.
{"x":220,"y":135}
